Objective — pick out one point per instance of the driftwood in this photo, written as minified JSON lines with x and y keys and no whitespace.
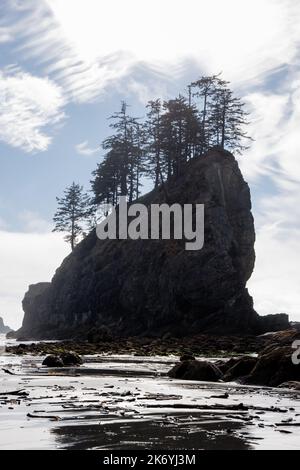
{"x":54,"y":418}
{"x":15,"y":392}
{"x":287,"y":424}
{"x":8,"y":372}
{"x":224,"y":396}
{"x":219,"y":406}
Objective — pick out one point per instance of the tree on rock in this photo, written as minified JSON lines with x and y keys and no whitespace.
{"x":222,"y":115}
{"x":173,"y":133}
{"x":229,"y":120}
{"x":119,"y":174}
{"x":153,"y":131}
{"x":204,"y":91}
{"x":74,"y":209}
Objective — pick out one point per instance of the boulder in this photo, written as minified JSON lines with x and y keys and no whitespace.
{"x":187,"y":357}
{"x":225,"y":365}
{"x":275,"y":367}
{"x":292,"y":385}
{"x":196,"y":370}
{"x":240,"y":369}
{"x":53,"y":361}
{"x":71,"y":358}
{"x":281,"y":338}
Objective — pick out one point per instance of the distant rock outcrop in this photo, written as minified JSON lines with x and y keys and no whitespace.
{"x":3,"y":328}
{"x":151,"y":287}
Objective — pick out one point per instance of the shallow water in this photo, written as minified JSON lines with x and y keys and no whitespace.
{"x":126,"y":402}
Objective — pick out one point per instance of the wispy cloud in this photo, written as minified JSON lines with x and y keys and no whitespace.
{"x":84,"y":149}
{"x":5,"y":35}
{"x":275,"y":127}
{"x":273,"y":159}
{"x":27,"y":105}
{"x":161,"y":34}
{"x":89,"y":45}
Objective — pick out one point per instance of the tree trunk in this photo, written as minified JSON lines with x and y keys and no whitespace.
{"x":223,"y":127}
{"x":73,"y":231}
{"x":204,"y":123}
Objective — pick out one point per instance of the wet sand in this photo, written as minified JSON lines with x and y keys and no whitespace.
{"x":128,"y":402}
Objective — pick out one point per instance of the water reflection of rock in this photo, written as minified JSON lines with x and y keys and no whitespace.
{"x":172,"y":432}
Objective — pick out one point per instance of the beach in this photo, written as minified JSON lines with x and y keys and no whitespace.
{"x":128,"y":402}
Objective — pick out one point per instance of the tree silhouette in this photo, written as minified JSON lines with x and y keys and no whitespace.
{"x":204,"y":89}
{"x":222,"y":115}
{"x":180,"y":128}
{"x":173,"y":133}
{"x":73,"y":211}
{"x":123,"y":165}
{"x":153,"y":132}
{"x":229,"y":120}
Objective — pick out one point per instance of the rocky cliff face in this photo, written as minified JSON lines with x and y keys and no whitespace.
{"x":147,"y":287}
{"x":3,"y":328}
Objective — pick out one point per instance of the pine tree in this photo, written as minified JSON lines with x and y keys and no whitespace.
{"x":137,"y":158}
{"x":173,"y":133}
{"x":121,"y":141}
{"x":204,"y":90}
{"x":73,"y":211}
{"x":120,"y":172}
{"x":223,"y":117}
{"x":229,"y":120}
{"x":180,"y":126}
{"x":153,"y":132}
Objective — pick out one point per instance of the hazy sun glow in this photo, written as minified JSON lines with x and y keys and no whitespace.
{"x":217,"y":34}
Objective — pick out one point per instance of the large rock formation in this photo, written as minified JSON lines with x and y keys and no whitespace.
{"x":156,"y":286}
{"x":3,"y":328}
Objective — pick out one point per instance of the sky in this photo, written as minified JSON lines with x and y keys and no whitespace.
{"x":66,"y":65}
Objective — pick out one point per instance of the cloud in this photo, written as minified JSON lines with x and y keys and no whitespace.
{"x":274,"y":153}
{"x":90,"y":45}
{"x":162,"y":34}
{"x":275,"y":282}
{"x":32,"y":222}
{"x":87,"y":47}
{"x":272,"y":167}
{"x":26,"y":258}
{"x":5,"y":35}
{"x":28,"y":105}
{"x":84,"y":149}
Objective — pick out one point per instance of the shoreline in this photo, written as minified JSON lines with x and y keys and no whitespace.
{"x":198,"y":345}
